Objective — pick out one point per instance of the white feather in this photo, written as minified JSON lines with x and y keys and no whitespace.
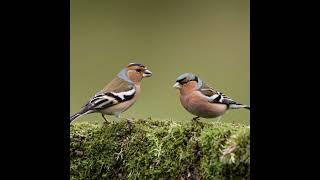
{"x":213,"y":97}
{"x":126,"y":93}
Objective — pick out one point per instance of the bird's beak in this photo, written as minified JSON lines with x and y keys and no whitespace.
{"x":177,"y":85}
{"x":147,"y":73}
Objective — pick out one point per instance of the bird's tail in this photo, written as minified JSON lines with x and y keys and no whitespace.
{"x":74,"y":117}
{"x":79,"y":114}
{"x":238,"y":106}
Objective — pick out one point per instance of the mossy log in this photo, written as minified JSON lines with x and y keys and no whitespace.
{"x":149,"y":149}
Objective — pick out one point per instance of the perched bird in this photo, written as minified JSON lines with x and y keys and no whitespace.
{"x":202,"y":100}
{"x":117,"y":96}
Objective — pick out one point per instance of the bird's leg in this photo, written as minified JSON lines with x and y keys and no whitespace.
{"x":106,"y":121}
{"x":196,"y":118}
{"x":130,"y":123}
{"x":219,"y":119}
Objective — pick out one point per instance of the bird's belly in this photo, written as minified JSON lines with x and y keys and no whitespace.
{"x":202,"y":108}
{"x":118,"y":108}
{"x":121,"y":107}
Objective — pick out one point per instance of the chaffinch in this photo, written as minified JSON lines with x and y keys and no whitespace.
{"x":201,"y":100}
{"x":117,"y":96}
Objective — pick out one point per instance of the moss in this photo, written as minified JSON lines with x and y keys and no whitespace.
{"x":226,"y":152}
{"x":149,"y":149}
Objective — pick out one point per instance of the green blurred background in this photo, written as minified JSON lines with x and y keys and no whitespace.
{"x":208,"y":38}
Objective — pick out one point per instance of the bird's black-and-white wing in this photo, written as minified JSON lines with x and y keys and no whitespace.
{"x":104,"y":100}
{"x":215,"y":96}
{"x":115,"y":92}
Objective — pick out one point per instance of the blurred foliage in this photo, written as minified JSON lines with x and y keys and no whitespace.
{"x":153,"y":149}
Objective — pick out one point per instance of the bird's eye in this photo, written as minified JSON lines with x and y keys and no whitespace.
{"x":183,"y":81}
{"x":139,"y":70}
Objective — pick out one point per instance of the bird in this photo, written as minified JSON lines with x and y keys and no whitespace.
{"x":118,"y":95}
{"x":201,"y":100}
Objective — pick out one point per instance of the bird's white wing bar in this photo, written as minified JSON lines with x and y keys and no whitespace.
{"x":226,"y":100}
{"x":219,"y":97}
{"x":101,"y":101}
{"x":106,"y":99}
{"x":213,"y":97}
{"x":125,"y":94}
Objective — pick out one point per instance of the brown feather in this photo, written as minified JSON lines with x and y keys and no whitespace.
{"x":117,"y":85}
{"x":207,"y":90}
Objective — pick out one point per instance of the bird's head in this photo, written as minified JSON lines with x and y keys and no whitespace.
{"x":188,"y":81}
{"x":135,"y":72}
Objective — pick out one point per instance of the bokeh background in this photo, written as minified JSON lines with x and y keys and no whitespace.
{"x":171,"y":37}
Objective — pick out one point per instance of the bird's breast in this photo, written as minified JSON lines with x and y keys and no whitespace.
{"x":198,"y":105}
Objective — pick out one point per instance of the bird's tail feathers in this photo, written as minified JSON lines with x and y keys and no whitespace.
{"x":238,"y":106}
{"x":79,"y":114}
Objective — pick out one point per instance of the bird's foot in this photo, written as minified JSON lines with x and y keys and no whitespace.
{"x":106,"y":123}
{"x":196,"y":118}
{"x":130,"y":121}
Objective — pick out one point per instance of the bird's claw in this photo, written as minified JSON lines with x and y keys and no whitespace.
{"x":130,"y":121}
{"x":196,"y":118}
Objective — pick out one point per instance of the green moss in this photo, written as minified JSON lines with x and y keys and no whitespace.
{"x":149,"y":149}
{"x":226,"y":152}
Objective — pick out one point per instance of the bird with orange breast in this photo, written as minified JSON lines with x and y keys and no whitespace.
{"x":202,"y":100}
{"x":117,"y":96}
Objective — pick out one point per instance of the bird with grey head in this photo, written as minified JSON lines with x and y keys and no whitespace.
{"x":118,"y":95}
{"x":201,"y":100}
